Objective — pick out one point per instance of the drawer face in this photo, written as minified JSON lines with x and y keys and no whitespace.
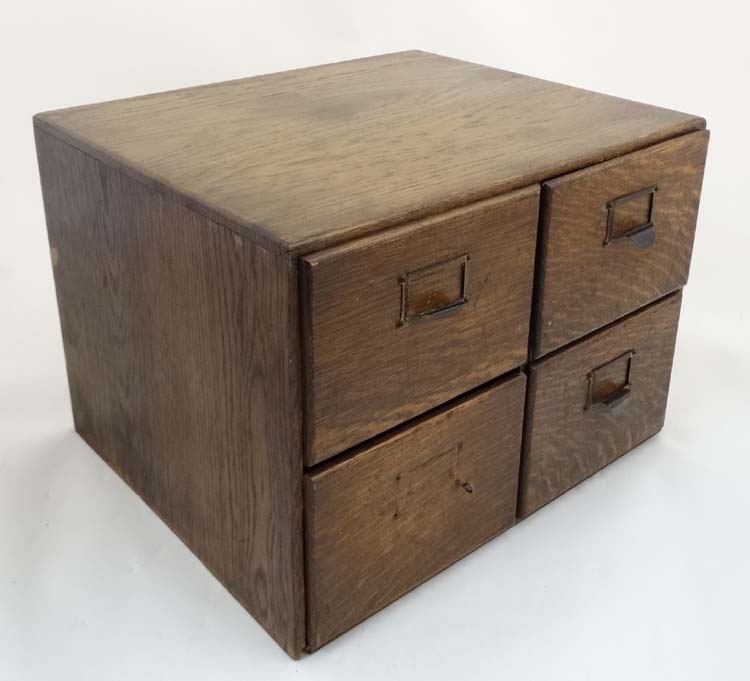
{"x":400,"y":322}
{"x":616,"y":236}
{"x":384,"y":520}
{"x":594,"y":401}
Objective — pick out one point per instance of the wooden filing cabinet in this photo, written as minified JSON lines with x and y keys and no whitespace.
{"x":340,"y":326}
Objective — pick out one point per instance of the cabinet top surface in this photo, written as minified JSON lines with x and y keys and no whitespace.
{"x":310,"y":157}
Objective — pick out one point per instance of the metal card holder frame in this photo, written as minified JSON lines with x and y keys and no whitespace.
{"x":643,"y":235}
{"x":619,"y":396}
{"x":461,"y":301}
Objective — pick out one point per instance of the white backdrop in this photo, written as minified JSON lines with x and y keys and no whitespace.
{"x":641,"y":573}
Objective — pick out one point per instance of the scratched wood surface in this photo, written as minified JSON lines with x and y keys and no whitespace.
{"x":566,"y":442}
{"x":367,"y":372}
{"x":584,"y":284}
{"x":383,"y":521}
{"x":230,"y":263}
{"x":310,"y":157}
{"x":183,"y":369}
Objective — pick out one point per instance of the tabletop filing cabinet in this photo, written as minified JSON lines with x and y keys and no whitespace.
{"x":340,"y":326}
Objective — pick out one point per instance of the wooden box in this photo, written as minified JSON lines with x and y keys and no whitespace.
{"x":301,"y":311}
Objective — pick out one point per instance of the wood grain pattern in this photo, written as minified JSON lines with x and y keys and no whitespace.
{"x":308,"y":158}
{"x":364,"y":371}
{"x":383,"y":521}
{"x":565,"y":442}
{"x":584,"y":284}
{"x":249,"y":275}
{"x":181,"y":346}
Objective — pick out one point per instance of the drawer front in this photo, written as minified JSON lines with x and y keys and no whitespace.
{"x":616,"y":236}
{"x":400,"y":322}
{"x":387,"y":518}
{"x":592,"y":402}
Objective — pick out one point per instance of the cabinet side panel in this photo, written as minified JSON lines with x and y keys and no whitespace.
{"x":183,"y":362}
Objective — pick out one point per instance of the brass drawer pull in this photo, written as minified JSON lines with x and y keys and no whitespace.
{"x":631,"y":217}
{"x":434,"y":290}
{"x":609,"y":384}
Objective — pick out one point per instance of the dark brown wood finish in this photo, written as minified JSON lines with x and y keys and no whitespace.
{"x":403,"y":321}
{"x":386,"y":519}
{"x":586,"y":282}
{"x":590,"y":403}
{"x":311,"y":157}
{"x":181,"y":347}
{"x":260,"y":274}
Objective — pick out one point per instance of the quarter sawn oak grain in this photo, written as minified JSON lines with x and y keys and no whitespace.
{"x":182,"y":363}
{"x":308,"y":158}
{"x":385,"y":520}
{"x":566,"y":439}
{"x":585,"y":284}
{"x":365,"y":370}
{"x":276,"y":292}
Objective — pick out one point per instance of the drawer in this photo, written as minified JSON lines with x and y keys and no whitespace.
{"x":592,"y":402}
{"x":397,"y":323}
{"x":385,"y":519}
{"x":614,"y":237}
